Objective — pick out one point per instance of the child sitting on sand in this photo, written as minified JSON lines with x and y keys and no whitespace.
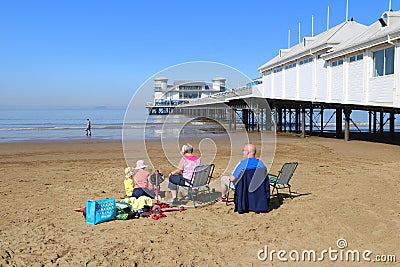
{"x":128,"y":182}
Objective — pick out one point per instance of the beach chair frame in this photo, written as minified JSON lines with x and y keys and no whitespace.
{"x":200,"y":181}
{"x":282,"y":179}
{"x":232,"y":199}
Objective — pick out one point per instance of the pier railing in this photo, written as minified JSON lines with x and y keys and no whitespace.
{"x":220,"y":97}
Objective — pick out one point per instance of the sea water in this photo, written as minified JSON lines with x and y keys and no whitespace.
{"x":107,"y":124}
{"x":116,"y":124}
{"x":58,"y":124}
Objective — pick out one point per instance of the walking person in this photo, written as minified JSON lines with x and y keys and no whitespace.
{"x":88,"y":128}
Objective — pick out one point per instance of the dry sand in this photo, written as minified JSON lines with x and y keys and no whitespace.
{"x":343,"y":190}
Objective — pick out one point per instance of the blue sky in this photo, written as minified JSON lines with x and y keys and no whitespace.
{"x":74,"y":53}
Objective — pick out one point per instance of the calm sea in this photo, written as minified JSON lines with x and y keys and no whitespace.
{"x":36,"y":125}
{"x":107,"y":124}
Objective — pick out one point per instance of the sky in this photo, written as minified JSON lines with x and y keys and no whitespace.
{"x":74,"y":53}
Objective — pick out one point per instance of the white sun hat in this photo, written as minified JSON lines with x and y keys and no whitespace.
{"x":129,"y":172}
{"x":140,"y":165}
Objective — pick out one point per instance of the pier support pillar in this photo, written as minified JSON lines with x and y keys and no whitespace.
{"x":252,"y":119}
{"x":311,"y":120}
{"x":391,"y":123}
{"x":268,"y":119}
{"x":230,"y":117}
{"x":303,"y":122}
{"x":347,"y":113}
{"x":284,"y":119}
{"x":297,"y":120}
{"x":245,"y":116}
{"x":258,"y":118}
{"x":339,"y":120}
{"x":381,"y":122}
{"x":234,"y":119}
{"x":322,"y":121}
{"x":369,"y":121}
{"x":279,"y":121}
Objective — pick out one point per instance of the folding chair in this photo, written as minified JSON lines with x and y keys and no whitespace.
{"x":282,"y":179}
{"x":201,"y":177}
{"x":231,"y":187}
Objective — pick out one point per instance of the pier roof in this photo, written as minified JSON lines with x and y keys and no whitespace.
{"x":373,"y":35}
{"x":189,"y":83}
{"x":310,"y":45}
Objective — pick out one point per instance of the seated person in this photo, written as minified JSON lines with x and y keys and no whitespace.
{"x":141,"y":181}
{"x":250,"y":162}
{"x":182,"y":175}
{"x":128,"y":182}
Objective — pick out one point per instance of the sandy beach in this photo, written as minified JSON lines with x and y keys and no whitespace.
{"x":343,"y":190}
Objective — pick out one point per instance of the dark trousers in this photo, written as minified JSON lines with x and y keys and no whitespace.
{"x":138,"y":192}
{"x":176,"y":179}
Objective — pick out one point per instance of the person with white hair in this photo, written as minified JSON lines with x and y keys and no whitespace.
{"x":182,"y":175}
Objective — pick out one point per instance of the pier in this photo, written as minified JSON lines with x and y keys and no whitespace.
{"x":301,"y":118}
{"x":318,"y":86}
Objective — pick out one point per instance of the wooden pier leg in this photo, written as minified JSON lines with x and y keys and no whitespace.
{"x":245,"y":116}
{"x":381,"y":122}
{"x":234,"y":119}
{"x":262,"y":120}
{"x":252,"y":119}
{"x":303,"y":122}
{"x":374,"y":122}
{"x":369,"y":121}
{"x":339,"y":120}
{"x":285,"y":119}
{"x":347,"y":113}
{"x":311,"y":120}
{"x":268,"y":119}
{"x":391,"y":124}
{"x":322,"y":122}
{"x":258,"y":118}
{"x":230,"y":118}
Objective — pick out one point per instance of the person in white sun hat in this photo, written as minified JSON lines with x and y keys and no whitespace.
{"x":141,"y":181}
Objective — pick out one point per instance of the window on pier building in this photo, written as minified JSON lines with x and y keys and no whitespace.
{"x":290,"y":66}
{"x":266,"y":73}
{"x":337,"y":63}
{"x":190,"y":87}
{"x":383,"y":62}
{"x":189,"y":95}
{"x":356,"y":58}
{"x":305,"y":61}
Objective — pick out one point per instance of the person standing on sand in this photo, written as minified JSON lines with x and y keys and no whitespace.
{"x":88,"y":128}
